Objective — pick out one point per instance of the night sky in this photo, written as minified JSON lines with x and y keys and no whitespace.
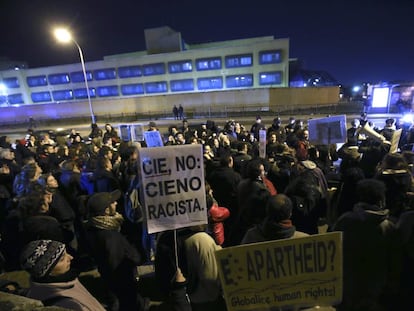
{"x":355,"y":41}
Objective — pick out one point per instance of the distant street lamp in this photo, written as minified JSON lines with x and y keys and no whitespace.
{"x":64,"y":36}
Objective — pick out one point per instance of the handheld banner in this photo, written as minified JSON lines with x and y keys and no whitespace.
{"x":172,"y":180}
{"x":326,"y":131}
{"x":292,"y":272}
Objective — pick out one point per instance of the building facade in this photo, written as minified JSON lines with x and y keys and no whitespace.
{"x":253,"y":63}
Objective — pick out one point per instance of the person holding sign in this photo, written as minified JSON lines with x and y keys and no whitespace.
{"x":194,"y":250}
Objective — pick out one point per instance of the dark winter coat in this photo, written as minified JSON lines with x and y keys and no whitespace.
{"x":371,"y":257}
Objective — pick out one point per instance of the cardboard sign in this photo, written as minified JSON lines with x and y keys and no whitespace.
{"x":131,"y":132}
{"x":153,"y":139}
{"x":292,"y":272}
{"x":137,"y":132}
{"x":395,"y":141}
{"x":173,"y":188}
{"x":326,"y":131}
{"x":262,"y":144}
{"x":125,"y":132}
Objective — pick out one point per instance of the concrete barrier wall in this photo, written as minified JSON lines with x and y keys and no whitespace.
{"x":263,"y":99}
{"x":296,"y":98}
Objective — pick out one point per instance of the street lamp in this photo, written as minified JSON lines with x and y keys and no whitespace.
{"x":64,"y":36}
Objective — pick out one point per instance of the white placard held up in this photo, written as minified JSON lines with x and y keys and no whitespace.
{"x":326,"y":131}
{"x":172,"y":180}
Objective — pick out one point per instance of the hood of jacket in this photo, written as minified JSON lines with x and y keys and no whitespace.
{"x":371,"y":213}
{"x":272,"y":230}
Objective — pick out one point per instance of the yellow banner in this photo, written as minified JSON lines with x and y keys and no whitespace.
{"x":293,"y":272}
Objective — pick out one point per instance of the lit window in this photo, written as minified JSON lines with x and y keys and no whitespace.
{"x":210,"y":83}
{"x":15,"y":99}
{"x":11,"y":83}
{"x":132,"y":89}
{"x":59,"y":78}
{"x":105,"y":91}
{"x":36,"y":81}
{"x":154,"y":69}
{"x":239,"y":81}
{"x":208,"y":63}
{"x":62,"y":95}
{"x":270,"y":57}
{"x":180,"y":66}
{"x":129,"y":71}
{"x":38,"y":97}
{"x":81,"y":93}
{"x":156,"y":87}
{"x":182,"y":85}
{"x":239,"y":61}
{"x":78,"y":76}
{"x":267,"y":78}
{"x":104,"y":74}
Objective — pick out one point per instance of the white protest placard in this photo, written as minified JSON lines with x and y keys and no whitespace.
{"x":172,"y":180}
{"x":137,"y":132}
{"x":153,"y":139}
{"x":131,"y":132}
{"x":329,"y":130}
{"x":262,"y":144}
{"x":124,"y":131}
{"x":395,"y":141}
{"x":301,"y":272}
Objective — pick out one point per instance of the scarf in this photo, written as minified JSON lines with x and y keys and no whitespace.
{"x":66,"y":277}
{"x":107,"y":222}
{"x":272,"y":230}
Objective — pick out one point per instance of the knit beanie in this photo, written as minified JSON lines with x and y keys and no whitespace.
{"x":41,"y":256}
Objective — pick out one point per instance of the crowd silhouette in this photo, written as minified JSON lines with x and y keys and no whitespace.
{"x":74,"y":192}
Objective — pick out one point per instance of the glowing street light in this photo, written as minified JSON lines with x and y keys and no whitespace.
{"x":64,"y":36}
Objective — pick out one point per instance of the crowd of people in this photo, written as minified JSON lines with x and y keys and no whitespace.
{"x":65,"y":208}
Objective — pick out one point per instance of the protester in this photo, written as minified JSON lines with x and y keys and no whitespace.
{"x":371,"y":252}
{"x":116,"y":258}
{"x":51,"y":278}
{"x":301,"y":174}
{"x":276,"y":225}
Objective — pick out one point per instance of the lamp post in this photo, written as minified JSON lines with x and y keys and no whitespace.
{"x":64,"y":36}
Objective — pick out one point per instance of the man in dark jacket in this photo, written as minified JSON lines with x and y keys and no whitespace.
{"x":242,"y":157}
{"x":277,"y":129}
{"x":371,"y":252}
{"x":224,"y":181}
{"x":116,"y":258}
{"x":276,"y":225}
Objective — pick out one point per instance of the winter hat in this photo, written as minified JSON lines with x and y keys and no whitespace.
{"x":98,"y":202}
{"x":41,"y":256}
